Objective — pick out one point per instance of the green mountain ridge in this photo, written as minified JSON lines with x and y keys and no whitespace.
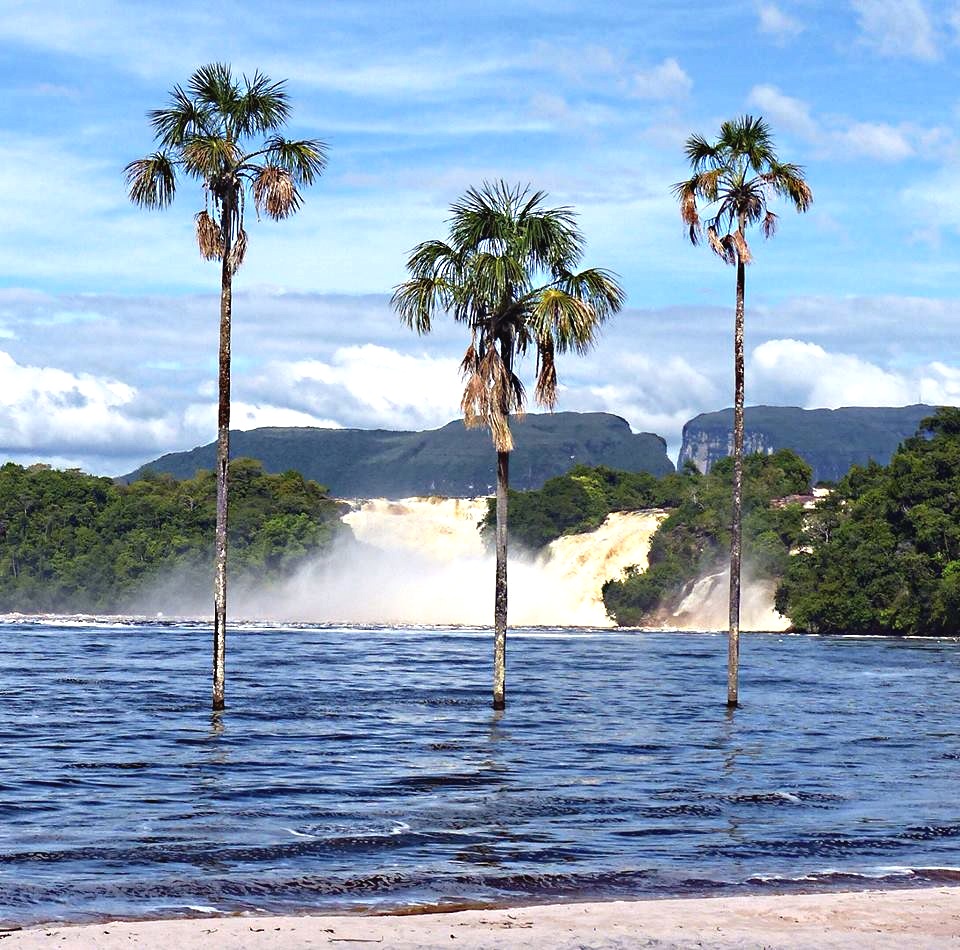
{"x":453,"y":461}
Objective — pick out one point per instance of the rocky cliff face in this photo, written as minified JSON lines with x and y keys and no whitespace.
{"x":830,"y":440}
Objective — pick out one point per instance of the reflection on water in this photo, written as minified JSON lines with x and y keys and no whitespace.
{"x":358,"y":768}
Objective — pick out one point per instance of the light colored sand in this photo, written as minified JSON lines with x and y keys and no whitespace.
{"x":913,"y":919}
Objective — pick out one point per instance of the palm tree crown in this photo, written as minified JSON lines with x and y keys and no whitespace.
{"x":738,"y":173}
{"x":507,"y":272}
{"x":204,"y":133}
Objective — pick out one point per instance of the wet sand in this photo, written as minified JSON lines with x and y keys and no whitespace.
{"x":911,"y":918}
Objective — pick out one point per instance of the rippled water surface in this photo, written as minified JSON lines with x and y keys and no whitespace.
{"x":363,"y":768}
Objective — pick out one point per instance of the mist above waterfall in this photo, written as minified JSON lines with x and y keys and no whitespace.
{"x":423,"y":561}
{"x":705,"y":606}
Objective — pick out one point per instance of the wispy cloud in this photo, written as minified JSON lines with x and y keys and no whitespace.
{"x":836,"y":136}
{"x":897,"y":28}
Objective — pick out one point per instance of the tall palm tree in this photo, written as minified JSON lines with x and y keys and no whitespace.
{"x":737,"y":175}
{"x":222,"y":132}
{"x":506,"y":272}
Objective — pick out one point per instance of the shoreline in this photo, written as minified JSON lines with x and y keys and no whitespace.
{"x":927,"y":917}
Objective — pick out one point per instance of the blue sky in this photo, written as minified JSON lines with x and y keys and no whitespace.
{"x":107,"y":312}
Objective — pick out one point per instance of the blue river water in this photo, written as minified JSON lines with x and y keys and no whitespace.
{"x":362,"y":769}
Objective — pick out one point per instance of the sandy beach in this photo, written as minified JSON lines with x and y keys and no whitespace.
{"x":914,"y":918}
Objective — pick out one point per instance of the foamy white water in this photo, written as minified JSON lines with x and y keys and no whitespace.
{"x":706,"y":606}
{"x":424,"y":562}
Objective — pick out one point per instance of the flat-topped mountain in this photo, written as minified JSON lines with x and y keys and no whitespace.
{"x":452,"y":461}
{"x":830,"y":440}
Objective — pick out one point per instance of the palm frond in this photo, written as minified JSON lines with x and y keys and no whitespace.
{"x":545,"y":391}
{"x":183,"y":118}
{"x":742,"y":248}
{"x":699,"y":151}
{"x":434,"y":257}
{"x":304,"y":160}
{"x":263,"y":106}
{"x":769,"y":224}
{"x":210,"y":156}
{"x":213,"y":86}
{"x":715,"y":243}
{"x":418,"y":299}
{"x":209,"y":237}
{"x":238,"y":250}
{"x":788,"y":181}
{"x":686,"y":192}
{"x":274,"y":192}
{"x":750,"y":138}
{"x":152,"y":181}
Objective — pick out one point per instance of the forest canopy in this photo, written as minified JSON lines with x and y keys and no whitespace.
{"x":75,"y":542}
{"x":882,"y":553}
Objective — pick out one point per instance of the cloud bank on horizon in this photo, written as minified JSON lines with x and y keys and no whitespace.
{"x":108,"y":314}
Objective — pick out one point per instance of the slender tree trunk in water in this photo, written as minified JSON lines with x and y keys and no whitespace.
{"x":733,"y":643}
{"x":500,"y":593}
{"x":223,"y":461}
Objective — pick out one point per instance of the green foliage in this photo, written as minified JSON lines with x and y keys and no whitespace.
{"x":695,"y":538}
{"x":579,"y":501}
{"x":883,"y":551}
{"x":70,"y":541}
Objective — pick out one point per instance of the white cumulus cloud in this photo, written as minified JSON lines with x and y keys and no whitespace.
{"x":784,"y":111}
{"x":774,"y":22}
{"x":799,"y":373}
{"x":44,"y":408}
{"x":666,"y":81}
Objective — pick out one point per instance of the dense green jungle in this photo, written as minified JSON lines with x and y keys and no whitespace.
{"x":882,"y":552}
{"x":75,"y":542}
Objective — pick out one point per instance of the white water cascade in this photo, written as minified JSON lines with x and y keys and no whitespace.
{"x":422,"y":561}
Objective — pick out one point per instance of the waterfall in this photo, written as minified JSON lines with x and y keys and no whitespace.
{"x":423,"y":561}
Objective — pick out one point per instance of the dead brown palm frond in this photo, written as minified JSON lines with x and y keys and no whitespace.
{"x":474,"y":401}
{"x":545,"y":391}
{"x":743,"y":249}
{"x":275,"y":193}
{"x":209,"y":237}
{"x":689,"y":213}
{"x":469,"y":362}
{"x":238,"y":250}
{"x":497,"y":377}
{"x":500,"y":430}
{"x":715,"y":242}
{"x":729,"y":252}
{"x":769,"y":226}
{"x":491,"y":392}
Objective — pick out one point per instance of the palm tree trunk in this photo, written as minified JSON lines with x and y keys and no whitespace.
{"x":500,"y":592}
{"x":223,"y":462}
{"x":733,"y":642}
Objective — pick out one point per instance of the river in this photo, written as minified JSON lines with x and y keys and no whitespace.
{"x":362,"y":768}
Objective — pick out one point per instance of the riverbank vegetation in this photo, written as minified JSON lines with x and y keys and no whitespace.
{"x":695,"y":539}
{"x":75,"y":542}
{"x":580,"y":500}
{"x":882,"y":553}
